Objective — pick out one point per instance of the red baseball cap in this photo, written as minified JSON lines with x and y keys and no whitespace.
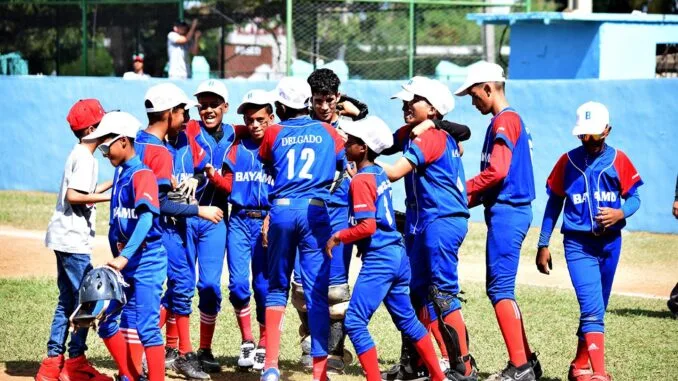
{"x":85,"y":113}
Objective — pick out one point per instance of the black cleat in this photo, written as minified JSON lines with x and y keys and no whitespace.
{"x":513,"y":373}
{"x":171,"y":354}
{"x":207,"y":361}
{"x":453,"y":375}
{"x":189,"y":367}
{"x":401,"y":372}
{"x":536,"y":365}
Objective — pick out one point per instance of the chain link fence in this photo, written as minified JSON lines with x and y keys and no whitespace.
{"x":391,"y":40}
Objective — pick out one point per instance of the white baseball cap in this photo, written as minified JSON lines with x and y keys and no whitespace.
{"x":372,"y":130}
{"x":116,"y":123}
{"x":213,"y":86}
{"x":292,"y":92}
{"x":255,"y":97}
{"x":481,"y":72}
{"x":165,"y":96}
{"x":435,"y":92}
{"x":592,"y":118}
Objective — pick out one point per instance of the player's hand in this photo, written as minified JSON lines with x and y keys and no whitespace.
{"x":609,"y":216}
{"x":188,"y":187}
{"x":211,"y":213}
{"x":197,"y":34}
{"x":675,"y":209}
{"x":264,"y":230}
{"x":117,"y":263}
{"x":544,"y":264}
{"x":331,"y":244}
{"x":461,"y":149}
{"x":347,"y":108}
{"x":351,"y":169}
{"x":209,"y":170}
{"x":421,"y":128}
{"x":173,"y":182}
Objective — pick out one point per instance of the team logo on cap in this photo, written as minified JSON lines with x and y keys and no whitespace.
{"x":587,"y":115}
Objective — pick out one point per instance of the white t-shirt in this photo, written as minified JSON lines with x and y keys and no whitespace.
{"x":177,"y":55}
{"x":71,"y":228}
{"x":133,"y":75}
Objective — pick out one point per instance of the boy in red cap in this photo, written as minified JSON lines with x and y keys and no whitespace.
{"x":70,"y":234}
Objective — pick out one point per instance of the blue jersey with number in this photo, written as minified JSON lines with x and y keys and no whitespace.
{"x":303,"y":155}
{"x":437,"y":186}
{"x":591,"y":182}
{"x":135,"y":188}
{"x":251,"y":183}
{"x":371,"y":196}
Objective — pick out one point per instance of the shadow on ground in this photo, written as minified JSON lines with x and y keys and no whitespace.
{"x":666,"y":314}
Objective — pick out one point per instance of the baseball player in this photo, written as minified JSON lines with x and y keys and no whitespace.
{"x":247,"y":184}
{"x":208,"y":239}
{"x":328,"y":105}
{"x":590,"y":180}
{"x":385,"y":272}
{"x":165,"y":106}
{"x":505,"y":186}
{"x":303,"y":155}
{"x":69,"y":234}
{"x":138,"y":254}
{"x":437,"y":219}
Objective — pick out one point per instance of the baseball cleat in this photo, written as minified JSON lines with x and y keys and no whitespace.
{"x":50,"y":368}
{"x":401,"y":372}
{"x":453,"y":375}
{"x":271,"y":374}
{"x":579,"y":374}
{"x":513,"y":373}
{"x":600,"y":377}
{"x":536,"y":365}
{"x":207,"y":361}
{"x":444,"y":364}
{"x":189,"y":367}
{"x":246,"y":358}
{"x":259,"y":358}
{"x":79,"y":369}
{"x":171,"y":355}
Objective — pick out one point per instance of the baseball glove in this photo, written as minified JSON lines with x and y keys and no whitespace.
{"x":181,"y":198}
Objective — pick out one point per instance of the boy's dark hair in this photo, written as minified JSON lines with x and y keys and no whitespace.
{"x":285,"y":112}
{"x":323,"y":82}
{"x":181,"y":23}
{"x":155,"y":117}
{"x":371,"y":155}
{"x":79,"y":134}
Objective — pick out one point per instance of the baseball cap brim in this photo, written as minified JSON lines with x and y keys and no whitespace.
{"x":470,"y":82}
{"x":587,"y":129}
{"x":354,"y":128}
{"x":404,"y":95}
{"x":241,"y":108}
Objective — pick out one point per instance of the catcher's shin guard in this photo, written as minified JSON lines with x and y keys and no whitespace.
{"x":442,"y":303}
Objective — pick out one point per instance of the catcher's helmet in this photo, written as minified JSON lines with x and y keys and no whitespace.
{"x":101,"y":295}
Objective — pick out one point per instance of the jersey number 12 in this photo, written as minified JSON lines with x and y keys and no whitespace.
{"x":308,"y":156}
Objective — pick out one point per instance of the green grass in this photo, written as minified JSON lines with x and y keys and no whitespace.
{"x":642,"y":339}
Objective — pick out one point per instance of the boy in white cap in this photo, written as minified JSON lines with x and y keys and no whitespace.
{"x":165,"y":105}
{"x":137,"y":249}
{"x":246,"y":184}
{"x":590,"y":180}
{"x":303,"y":155}
{"x":505,"y":186}
{"x":385,"y":272}
{"x":437,"y":220}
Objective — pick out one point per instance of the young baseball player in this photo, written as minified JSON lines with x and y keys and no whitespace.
{"x":69,"y":234}
{"x":590,"y":181}
{"x":165,"y":106}
{"x":436,"y":221}
{"x":139,"y":254}
{"x":385,"y":272}
{"x":247,"y":186}
{"x":505,"y":186}
{"x":208,"y":239}
{"x":328,"y":105}
{"x":303,"y":155}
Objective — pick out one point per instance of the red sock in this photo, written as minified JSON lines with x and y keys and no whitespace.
{"x":320,"y":368}
{"x":171,"y":332}
{"x":456,"y":320}
{"x":581,"y":359}
{"x":370,"y":363}
{"x":595,"y":343}
{"x":526,"y":345}
{"x":164,"y":315}
{"x":207,"y":323}
{"x":434,"y":327}
{"x":510,"y":324}
{"x":274,"y":322}
{"x":155,"y":357}
{"x":262,"y":336}
{"x":184,"y":330}
{"x":134,"y":350}
{"x":118,"y":349}
{"x":244,"y":322}
{"x":428,"y":354}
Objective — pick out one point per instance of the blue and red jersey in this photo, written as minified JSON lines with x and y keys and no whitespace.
{"x":436,"y":187}
{"x":135,"y":190}
{"x":250,"y":184}
{"x":187,"y":155}
{"x":517,"y":188}
{"x":339,"y":195}
{"x":371,"y":196}
{"x":154,"y":155}
{"x":588,"y":183}
{"x":303,"y":155}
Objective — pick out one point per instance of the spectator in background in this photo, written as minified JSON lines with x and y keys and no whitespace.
{"x":137,"y":68}
{"x":675,"y":201}
{"x":179,"y":41}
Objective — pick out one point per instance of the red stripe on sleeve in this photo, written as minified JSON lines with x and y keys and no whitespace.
{"x":363,"y":190}
{"x":556,"y":180}
{"x":233,"y":153}
{"x":197,"y":151}
{"x":628,"y":175}
{"x":432,"y":144}
{"x":223,"y":183}
{"x":266,"y":148}
{"x":160,"y":162}
{"x":500,"y":161}
{"x":508,"y":124}
{"x":338,"y":141}
{"x":241,"y":131}
{"x":145,"y":189}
